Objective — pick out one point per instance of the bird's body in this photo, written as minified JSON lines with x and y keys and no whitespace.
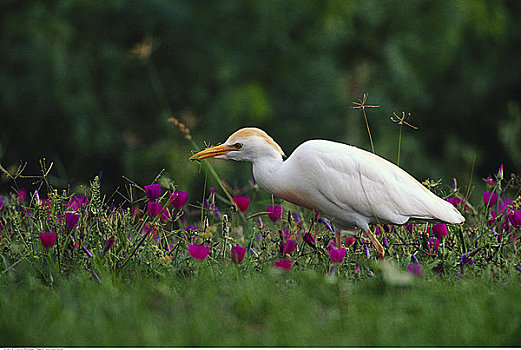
{"x":350,"y":186}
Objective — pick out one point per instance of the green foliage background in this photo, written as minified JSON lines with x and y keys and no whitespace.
{"x":72,"y":92}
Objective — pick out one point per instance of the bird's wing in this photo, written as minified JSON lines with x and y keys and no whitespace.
{"x":361,"y":186}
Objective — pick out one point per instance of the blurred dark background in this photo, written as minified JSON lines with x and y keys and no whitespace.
{"x":89,"y":85}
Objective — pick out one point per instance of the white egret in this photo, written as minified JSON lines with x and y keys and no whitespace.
{"x":350,"y":186}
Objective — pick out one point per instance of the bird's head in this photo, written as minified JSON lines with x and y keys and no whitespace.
{"x":247,"y":144}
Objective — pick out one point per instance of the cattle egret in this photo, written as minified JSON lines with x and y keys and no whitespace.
{"x":350,"y":186}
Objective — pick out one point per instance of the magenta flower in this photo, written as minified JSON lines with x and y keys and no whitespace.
{"x":503,"y":204}
{"x":283,"y":264}
{"x":337,"y":255}
{"x":490,"y":181}
{"x":415,"y":269}
{"x":308,"y":238}
{"x":153,"y":191}
{"x":21,"y":195}
{"x":165,"y":215}
{"x":198,"y":251}
{"x":238,"y":253}
{"x":108,"y":244}
{"x":434,"y":244}
{"x":179,"y":198}
{"x":76,"y":203}
{"x":48,"y":239}
{"x":489,"y":198}
{"x":242,"y":202}
{"x":154,"y":208}
{"x":71,"y":220}
{"x":287,"y":247}
{"x":350,"y":241}
{"x":274,"y":212}
{"x":439,"y":231}
{"x":455,"y":201}
{"x":515,"y":218}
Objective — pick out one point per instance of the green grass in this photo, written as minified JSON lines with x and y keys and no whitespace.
{"x":270,"y":308}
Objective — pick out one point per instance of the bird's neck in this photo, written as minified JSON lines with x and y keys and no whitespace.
{"x":268,"y":173}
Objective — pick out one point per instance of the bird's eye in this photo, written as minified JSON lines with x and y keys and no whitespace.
{"x":237,"y":145}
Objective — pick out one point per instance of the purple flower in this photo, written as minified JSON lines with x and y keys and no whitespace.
{"x":515,"y":218}
{"x":490,"y":181}
{"x":165,"y":215}
{"x":71,"y":220}
{"x":108,"y":244}
{"x":287,"y":247}
{"x":337,"y":255}
{"x":489,"y":198}
{"x":434,"y":244}
{"x":274,"y":212}
{"x":154,"y":209}
{"x":198,"y":251}
{"x":455,"y":201}
{"x":324,"y":221}
{"x":153,"y":191}
{"x":518,"y":268}
{"x":308,"y":238}
{"x":21,"y":195}
{"x":89,"y":254}
{"x":366,"y":250}
{"x":466,"y":260}
{"x":298,"y":220}
{"x":385,"y":242}
{"x":242,"y":202}
{"x":415,"y":269}
{"x":238,"y":253}
{"x":190,"y":228}
{"x":283,"y":264}
{"x":48,"y":239}
{"x":350,"y":241}
{"x":439,"y":231}
{"x":76,"y":203}
{"x":179,"y":198}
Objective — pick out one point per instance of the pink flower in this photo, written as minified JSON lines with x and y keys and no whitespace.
{"x":153,"y":191}
{"x":275,"y":212}
{"x":48,"y":239}
{"x":238,"y":253}
{"x":179,"y":198}
{"x":71,"y":220}
{"x":287,"y":247}
{"x":489,"y":198}
{"x":337,"y":255}
{"x":440,"y":231}
{"x":350,"y":241}
{"x":283,"y":264}
{"x":242,"y":202}
{"x":198,"y":251}
{"x":154,"y":208}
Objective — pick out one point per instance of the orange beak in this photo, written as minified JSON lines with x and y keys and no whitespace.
{"x":213,"y":152}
